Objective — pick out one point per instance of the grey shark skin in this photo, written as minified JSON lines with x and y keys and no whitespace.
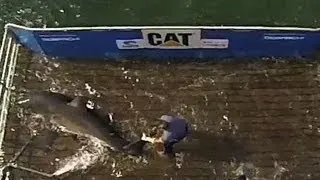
{"x":76,"y":117}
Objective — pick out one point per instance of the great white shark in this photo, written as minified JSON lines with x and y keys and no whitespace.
{"x":75,"y":116}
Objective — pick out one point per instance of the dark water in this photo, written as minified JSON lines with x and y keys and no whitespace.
{"x":38,"y":13}
{"x":259,"y":118}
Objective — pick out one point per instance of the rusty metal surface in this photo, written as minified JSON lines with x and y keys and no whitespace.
{"x":262,"y":115}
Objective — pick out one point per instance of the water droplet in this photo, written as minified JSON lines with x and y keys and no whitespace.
{"x":28,"y":10}
{"x":90,"y":105}
{"x":29,"y":24}
{"x":56,"y":65}
{"x":225,"y":117}
{"x":131,"y":105}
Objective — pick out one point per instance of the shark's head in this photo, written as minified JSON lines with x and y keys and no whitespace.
{"x":135,"y":148}
{"x":45,"y":101}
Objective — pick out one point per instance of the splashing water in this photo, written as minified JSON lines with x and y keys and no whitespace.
{"x":36,"y":123}
{"x":85,"y":157}
{"x":90,"y":104}
{"x":247,"y":169}
{"x":90,"y":90}
{"x":179,"y":160}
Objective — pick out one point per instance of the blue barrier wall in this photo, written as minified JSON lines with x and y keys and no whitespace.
{"x":170,"y":42}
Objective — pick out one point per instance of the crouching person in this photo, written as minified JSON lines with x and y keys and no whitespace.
{"x":171,"y":131}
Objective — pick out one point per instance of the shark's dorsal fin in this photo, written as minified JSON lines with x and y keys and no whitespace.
{"x":76,"y":102}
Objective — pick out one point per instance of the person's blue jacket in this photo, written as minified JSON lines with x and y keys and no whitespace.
{"x":174,"y":131}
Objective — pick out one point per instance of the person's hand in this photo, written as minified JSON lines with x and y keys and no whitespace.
{"x":164,"y":125}
{"x":146,"y":138}
{"x":153,"y":131}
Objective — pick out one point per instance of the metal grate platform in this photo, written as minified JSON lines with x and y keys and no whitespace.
{"x":261,"y":117}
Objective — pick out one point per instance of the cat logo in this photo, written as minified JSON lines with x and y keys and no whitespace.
{"x":170,"y":39}
{"x":174,"y":39}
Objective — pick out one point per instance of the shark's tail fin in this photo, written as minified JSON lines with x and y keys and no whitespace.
{"x":135,"y":148}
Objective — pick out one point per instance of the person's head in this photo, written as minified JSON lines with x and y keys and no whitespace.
{"x":166,"y":118}
{"x":164,"y":121}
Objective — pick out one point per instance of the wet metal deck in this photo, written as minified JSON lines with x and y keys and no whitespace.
{"x":264,"y":114}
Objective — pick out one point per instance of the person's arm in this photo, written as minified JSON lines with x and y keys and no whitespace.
{"x":187,"y":128}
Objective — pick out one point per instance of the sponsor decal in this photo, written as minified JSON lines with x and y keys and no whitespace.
{"x":130,"y":44}
{"x":60,"y":37}
{"x":215,"y":43}
{"x":171,"y":39}
{"x":284,"y":37}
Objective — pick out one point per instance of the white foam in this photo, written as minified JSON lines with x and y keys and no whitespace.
{"x":35,"y":122}
{"x":53,"y":89}
{"x":93,"y":152}
{"x":111,"y":117}
{"x":56,"y":65}
{"x":179,"y":160}
{"x":23,"y":101}
{"x":90,"y":90}
{"x":85,"y":157}
{"x":90,"y":104}
{"x":225,"y":117}
{"x":151,"y":95}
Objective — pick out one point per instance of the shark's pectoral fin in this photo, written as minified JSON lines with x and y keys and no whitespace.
{"x":75,"y":102}
{"x":135,"y":148}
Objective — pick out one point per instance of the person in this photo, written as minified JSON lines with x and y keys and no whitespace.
{"x":172,"y":130}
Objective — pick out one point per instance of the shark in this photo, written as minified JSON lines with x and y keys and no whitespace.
{"x":73,"y":115}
